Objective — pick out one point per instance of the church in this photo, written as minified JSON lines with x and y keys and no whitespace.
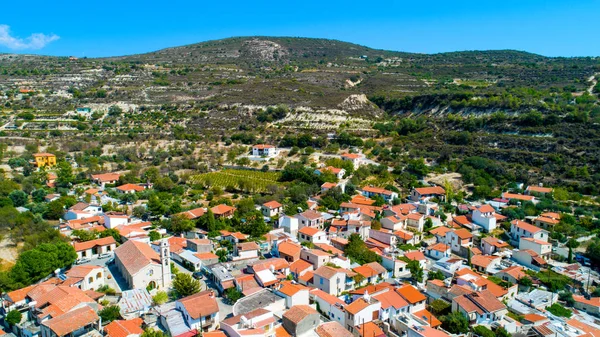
{"x":142,"y":267}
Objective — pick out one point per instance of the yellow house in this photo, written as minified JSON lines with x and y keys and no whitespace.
{"x":44,"y":159}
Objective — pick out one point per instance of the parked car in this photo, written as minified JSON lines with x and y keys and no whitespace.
{"x":83,"y":260}
{"x":197,"y":275}
{"x":104,"y":255}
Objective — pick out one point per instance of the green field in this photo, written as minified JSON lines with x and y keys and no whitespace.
{"x":246,"y":180}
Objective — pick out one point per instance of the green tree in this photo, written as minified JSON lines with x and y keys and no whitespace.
{"x":436,"y":275}
{"x":439,"y":307}
{"x":13,"y":317}
{"x":65,"y":177}
{"x":154,"y":236}
{"x":153,"y":333}
{"x":525,"y":281}
{"x":482,"y":331}
{"x":110,"y":313}
{"x":572,"y":244}
{"x":111,"y":232}
{"x":185,"y":285}
{"x":19,"y":198}
{"x":455,"y":323}
{"x":416,"y":271}
{"x":358,"y":252}
{"x":179,"y":224}
{"x":233,"y":295}
{"x":222,"y":254}
{"x":161,"y":297}
{"x":55,"y":210}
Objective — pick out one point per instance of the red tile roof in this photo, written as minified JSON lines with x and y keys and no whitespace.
{"x":411,"y":294}
{"x":516,"y":196}
{"x":130,"y":187}
{"x":135,"y":255}
{"x":297,"y":313}
{"x":435,"y":190}
{"x":310,"y":231}
{"x":72,"y":321}
{"x":525,"y":226}
{"x":81,"y":246}
{"x":272,"y":204}
{"x":201,"y":304}
{"x":106,"y":177}
{"x":122,"y":328}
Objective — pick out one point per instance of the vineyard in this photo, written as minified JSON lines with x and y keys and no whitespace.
{"x":243,"y":180}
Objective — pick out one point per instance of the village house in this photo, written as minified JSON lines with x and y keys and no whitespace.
{"x":246,"y":250}
{"x":310,"y":218}
{"x":485,"y":217}
{"x":142,"y":267}
{"x":223,"y":211}
{"x":331,"y":280}
{"x":264,"y":150}
{"x":271,"y":208}
{"x":371,"y":272}
{"x":591,"y":305}
{"x":74,"y":323}
{"x":491,"y":245}
{"x":124,"y":328}
{"x":438,"y":251}
{"x":485,"y":263}
{"x":91,"y":249}
{"x":355,"y":158}
{"x":293,"y":293}
{"x":289,"y":251}
{"x":511,"y":274}
{"x":541,"y":248}
{"x":393,"y":222}
{"x":130,"y":188}
{"x":44,"y":160}
{"x":529,"y":259}
{"x":538,"y":191}
{"x":338,"y":172}
{"x":200,"y":311}
{"x":426,"y":193}
{"x":316,"y":257}
{"x":361,"y":311}
{"x":105,"y":178}
{"x":193,"y":214}
{"x":371,"y":192}
{"x":312,"y":235}
{"x":300,"y":320}
{"x":82,"y":210}
{"x":480,"y":307}
{"x":519,"y":229}
{"x":518,"y":197}
{"x":459,"y":240}
{"x":415,"y":299}
{"x":289,"y":225}
{"x":114,"y":219}
{"x":85,"y":277}
{"x":547,"y":220}
{"x":258,"y":322}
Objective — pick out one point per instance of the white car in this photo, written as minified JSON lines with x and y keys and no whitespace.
{"x":83,"y":260}
{"x":104,"y":255}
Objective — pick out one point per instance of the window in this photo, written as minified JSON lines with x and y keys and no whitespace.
{"x":321,"y":281}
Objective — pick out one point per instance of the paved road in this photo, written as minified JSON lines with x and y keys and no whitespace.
{"x":111,"y":276}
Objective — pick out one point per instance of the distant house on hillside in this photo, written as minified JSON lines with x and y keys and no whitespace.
{"x":265,"y":150}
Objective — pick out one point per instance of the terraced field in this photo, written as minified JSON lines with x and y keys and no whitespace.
{"x":244,"y":180}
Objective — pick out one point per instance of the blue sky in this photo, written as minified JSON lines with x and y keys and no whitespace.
{"x":107,"y":28}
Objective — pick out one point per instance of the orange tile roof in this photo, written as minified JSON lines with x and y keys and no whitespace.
{"x":369,"y":329}
{"x":507,"y":195}
{"x":428,"y":317}
{"x":328,"y":185}
{"x":365,"y":271}
{"x":80,"y":246}
{"x":404,"y":235}
{"x":486,"y":208}
{"x":72,"y":321}
{"x":105,"y":177}
{"x":431,"y":190}
{"x":593,"y":301}
{"x":351,"y":155}
{"x":247,"y":246}
{"x":220,"y":334}
{"x":300,"y":265}
{"x":391,"y":298}
{"x":290,"y":289}
{"x":525,"y":226}
{"x":262,"y":146}
{"x":463,"y":234}
{"x":297,"y":313}
{"x":201,"y":304}
{"x":494,"y":242}
{"x":327,"y":272}
{"x":411,"y":294}
{"x":332,"y":329}
{"x":307,"y":277}
{"x":124,"y":328}
{"x":206,"y":256}
{"x":362,"y":200}
{"x":193,"y":213}
{"x":272,"y":204}
{"x":534,"y":317}
{"x":357,"y":306}
{"x":376,"y":190}
{"x":222,"y":209}
{"x":135,"y":255}
{"x":515,"y":271}
{"x":415,"y":255}
{"x":483,"y":260}
{"x":289,"y":248}
{"x":539,"y":189}
{"x":442,"y":230}
{"x":130,"y":187}
{"x":440,"y":247}
{"x":310,"y":231}
{"x":329,"y":249}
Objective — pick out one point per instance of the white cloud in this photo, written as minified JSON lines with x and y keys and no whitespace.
{"x":35,"y":41}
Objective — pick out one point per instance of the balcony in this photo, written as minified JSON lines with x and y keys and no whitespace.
{"x":208,"y":322}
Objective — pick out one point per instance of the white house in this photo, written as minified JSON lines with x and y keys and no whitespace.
{"x":484,"y":217}
{"x":363,"y":310}
{"x":289,"y":225}
{"x":310,"y":218}
{"x":200,"y":311}
{"x":114,"y":220}
{"x":93,"y":248}
{"x":415,"y":221}
{"x":356,"y":159}
{"x":142,"y":267}
{"x":313,"y":235}
{"x":394,"y":222}
{"x":519,"y":229}
{"x":459,"y":238}
{"x":542,"y":248}
{"x":370,"y":192}
{"x":86,"y":277}
{"x":330,"y":280}
{"x":271,"y":208}
{"x":438,"y":251}
{"x":246,"y":250}
{"x":264,"y":150}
